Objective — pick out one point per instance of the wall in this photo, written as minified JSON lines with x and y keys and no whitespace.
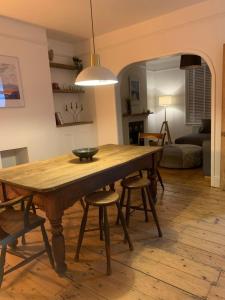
{"x":167,"y":82}
{"x":194,"y":29}
{"x":33,"y":126}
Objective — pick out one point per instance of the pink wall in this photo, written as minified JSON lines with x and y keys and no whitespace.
{"x":196,"y":29}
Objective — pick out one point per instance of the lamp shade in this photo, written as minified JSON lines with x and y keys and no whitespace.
{"x":189,"y":61}
{"x":165,"y":100}
{"x":94,"y":76}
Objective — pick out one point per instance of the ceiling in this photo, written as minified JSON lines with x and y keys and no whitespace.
{"x":71,"y":18}
{"x":164,"y":63}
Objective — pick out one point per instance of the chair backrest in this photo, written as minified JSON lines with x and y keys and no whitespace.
{"x":160,"y":137}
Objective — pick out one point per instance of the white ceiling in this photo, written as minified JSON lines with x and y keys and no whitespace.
{"x":71,"y":18}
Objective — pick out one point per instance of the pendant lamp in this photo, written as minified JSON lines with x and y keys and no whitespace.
{"x":95,"y":74}
{"x":189,"y":61}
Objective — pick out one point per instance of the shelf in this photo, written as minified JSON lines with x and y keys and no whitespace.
{"x":138,"y":114}
{"x":61,"y":91}
{"x":75,"y":124}
{"x":62,"y":66}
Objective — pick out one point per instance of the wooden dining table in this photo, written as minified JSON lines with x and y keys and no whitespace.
{"x":59,"y":182}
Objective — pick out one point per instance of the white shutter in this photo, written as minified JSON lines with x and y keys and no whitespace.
{"x":198,"y":94}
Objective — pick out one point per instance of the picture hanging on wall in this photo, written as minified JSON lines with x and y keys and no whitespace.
{"x":11,"y":94}
{"x":134,"y":89}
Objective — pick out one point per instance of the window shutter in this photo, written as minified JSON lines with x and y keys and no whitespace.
{"x":198,"y":94}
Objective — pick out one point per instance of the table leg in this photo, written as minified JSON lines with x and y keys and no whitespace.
{"x":58,"y":245}
{"x":152,"y":175}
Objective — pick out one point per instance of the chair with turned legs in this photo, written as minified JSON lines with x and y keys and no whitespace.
{"x":15,"y":224}
{"x":102,"y":200}
{"x":143,"y":185}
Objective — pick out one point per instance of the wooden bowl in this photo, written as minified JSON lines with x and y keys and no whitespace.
{"x":85,"y":153}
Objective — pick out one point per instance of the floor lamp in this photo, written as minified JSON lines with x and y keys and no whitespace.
{"x":165,"y":101}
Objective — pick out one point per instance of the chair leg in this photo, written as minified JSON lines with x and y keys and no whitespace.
{"x":107,"y":240}
{"x":128,"y":208}
{"x":121,"y":204}
{"x":81,"y":234}
{"x":160,"y":179}
{"x":101,"y":223}
{"x":2,"y":263}
{"x":123,"y":223}
{"x":47,"y":246}
{"x":144,"y":204}
{"x":152,"y":206}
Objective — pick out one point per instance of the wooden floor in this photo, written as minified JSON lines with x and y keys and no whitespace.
{"x":187,"y":263}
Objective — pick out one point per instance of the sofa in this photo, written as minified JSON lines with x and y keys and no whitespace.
{"x":201,"y":138}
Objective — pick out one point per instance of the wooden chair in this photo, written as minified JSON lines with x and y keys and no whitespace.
{"x":159,"y":139}
{"x":15,"y":224}
{"x":102,"y":199}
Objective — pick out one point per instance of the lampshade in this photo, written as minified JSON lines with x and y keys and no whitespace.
{"x":95,"y":74}
{"x":165,"y":100}
{"x":189,"y":61}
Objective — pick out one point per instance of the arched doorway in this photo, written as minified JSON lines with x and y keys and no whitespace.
{"x":123,"y":118}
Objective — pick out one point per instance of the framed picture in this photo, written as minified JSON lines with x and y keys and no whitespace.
{"x":11,"y":93}
{"x":134,"y":89}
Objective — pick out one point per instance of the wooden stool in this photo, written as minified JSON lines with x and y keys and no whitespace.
{"x":102,"y":199}
{"x":140,"y":183}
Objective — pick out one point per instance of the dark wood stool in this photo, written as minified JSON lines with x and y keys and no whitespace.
{"x":142,"y":184}
{"x":102,"y":199}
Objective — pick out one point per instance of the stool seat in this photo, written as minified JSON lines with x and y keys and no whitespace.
{"x":102,"y":198}
{"x":135,"y":182}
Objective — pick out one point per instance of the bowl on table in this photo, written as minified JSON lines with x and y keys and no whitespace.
{"x":85,"y":153}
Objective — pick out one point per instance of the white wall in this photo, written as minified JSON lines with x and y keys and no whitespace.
{"x":194,"y":29}
{"x":167,"y":82}
{"x":33,"y":126}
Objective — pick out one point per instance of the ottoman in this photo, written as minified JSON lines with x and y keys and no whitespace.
{"x":181,"y":156}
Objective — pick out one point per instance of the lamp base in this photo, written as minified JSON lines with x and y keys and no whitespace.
{"x":165,"y":128}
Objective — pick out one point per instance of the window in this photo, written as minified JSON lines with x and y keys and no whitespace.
{"x":198,"y":94}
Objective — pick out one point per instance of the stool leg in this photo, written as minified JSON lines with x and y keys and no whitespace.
{"x":2,"y":263}
{"x":121,"y":204}
{"x":107,"y":240}
{"x":100,"y":222}
{"x":47,"y":246}
{"x":128,"y":208}
{"x":153,"y":211}
{"x":160,"y":179}
{"x":122,"y":220}
{"x":81,"y":234}
{"x":82,"y":203}
{"x":144,"y":204}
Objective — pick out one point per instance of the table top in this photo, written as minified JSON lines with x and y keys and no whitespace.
{"x":54,"y":173}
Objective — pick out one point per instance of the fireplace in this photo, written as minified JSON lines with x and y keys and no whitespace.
{"x":134,"y":129}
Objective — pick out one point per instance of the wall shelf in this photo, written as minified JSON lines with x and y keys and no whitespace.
{"x":61,"y":91}
{"x":63,"y":66}
{"x":75,"y":123}
{"x":145,"y":114}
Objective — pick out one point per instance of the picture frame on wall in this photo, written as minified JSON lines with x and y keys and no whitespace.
{"x":134,"y":87}
{"x":11,"y":92}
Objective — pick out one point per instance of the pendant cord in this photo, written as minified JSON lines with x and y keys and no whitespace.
{"x":92,"y":26}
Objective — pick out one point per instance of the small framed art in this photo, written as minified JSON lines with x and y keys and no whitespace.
{"x":11,"y":93}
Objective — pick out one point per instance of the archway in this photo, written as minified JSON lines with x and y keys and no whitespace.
{"x":215,"y":156}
